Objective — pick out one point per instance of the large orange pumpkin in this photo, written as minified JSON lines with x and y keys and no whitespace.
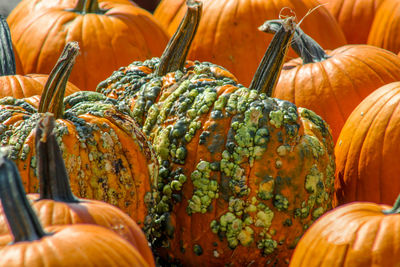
{"x":110,"y":35}
{"x":107,"y":157}
{"x":228,"y":34}
{"x":333,"y":83}
{"x":385,"y":27}
{"x":242,"y":175}
{"x":367,"y":149}
{"x":358,"y":234}
{"x":355,"y":17}
{"x":68,"y":245}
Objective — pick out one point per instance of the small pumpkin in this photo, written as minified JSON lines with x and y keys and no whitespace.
{"x":367,"y":149}
{"x":106,"y":155}
{"x":355,"y":17}
{"x":75,"y":245}
{"x":19,"y":86}
{"x":111,"y":35}
{"x":357,"y":234}
{"x":57,"y":205}
{"x":238,"y":169}
{"x":333,"y":83}
{"x":228,"y":34}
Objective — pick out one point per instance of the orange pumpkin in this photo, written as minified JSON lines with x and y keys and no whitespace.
{"x":333,"y":83}
{"x":355,"y":17}
{"x":107,"y":157}
{"x":358,"y":234}
{"x":228,"y":34}
{"x":111,"y":35}
{"x":68,"y":245}
{"x":367,"y":149}
{"x":385,"y":26}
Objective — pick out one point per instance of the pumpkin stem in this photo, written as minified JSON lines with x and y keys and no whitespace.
{"x":174,"y":55}
{"x":395,"y":209}
{"x":22,"y":220}
{"x":52,"y":174}
{"x":54,"y":90}
{"x":304,"y":46}
{"x":7,"y":58}
{"x":87,"y":7}
{"x":268,"y":71}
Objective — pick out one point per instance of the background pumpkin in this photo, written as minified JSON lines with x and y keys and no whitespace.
{"x":354,"y":17}
{"x":333,"y":83}
{"x":228,"y":34}
{"x":385,"y":26}
{"x":111,"y":35}
{"x":75,"y":245}
{"x":107,"y":156}
{"x":357,"y":234}
{"x":224,"y":150}
{"x":367,"y":148}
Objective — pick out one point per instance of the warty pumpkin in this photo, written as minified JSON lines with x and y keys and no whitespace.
{"x":107,"y":156}
{"x":367,"y":149}
{"x":242,"y":175}
{"x":67,"y":245}
{"x":228,"y":34}
{"x":57,"y":205}
{"x":355,"y":17}
{"x":358,"y":234}
{"x":385,"y":26}
{"x":333,"y":83}
{"x":111,"y":35}
{"x":19,"y":86}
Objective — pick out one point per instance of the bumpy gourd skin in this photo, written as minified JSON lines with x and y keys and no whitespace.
{"x":242,"y":175}
{"x":107,"y":157}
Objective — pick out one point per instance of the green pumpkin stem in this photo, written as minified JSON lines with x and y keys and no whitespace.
{"x":267,"y":74}
{"x":54,"y":90}
{"x":52,"y":174}
{"x":174,"y":55}
{"x":395,"y":209}
{"x":87,"y":7}
{"x":304,"y":46}
{"x":22,"y":220}
{"x":7,"y":57}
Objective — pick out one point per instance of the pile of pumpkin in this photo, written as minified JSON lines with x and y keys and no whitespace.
{"x":179,"y":138}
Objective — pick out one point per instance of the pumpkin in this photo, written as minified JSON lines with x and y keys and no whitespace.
{"x":357,"y":234}
{"x":239,"y":170}
{"x":71,"y":245}
{"x":111,"y":35}
{"x":19,"y":86}
{"x":355,"y":17}
{"x":57,"y":205}
{"x":106,"y":155}
{"x":367,"y":148}
{"x":385,"y":26}
{"x":228,"y":36}
{"x":333,"y":83}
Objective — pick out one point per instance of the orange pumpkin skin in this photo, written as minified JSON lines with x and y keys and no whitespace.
{"x":228,"y":35}
{"x":385,"y":27}
{"x":122,"y":34}
{"x":357,"y":234}
{"x":355,"y":17}
{"x":335,"y":86}
{"x":367,"y":147}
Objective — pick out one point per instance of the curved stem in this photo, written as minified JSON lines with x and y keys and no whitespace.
{"x":268,"y":71}
{"x":304,"y":46}
{"x":52,"y":174}
{"x":395,"y":209}
{"x":22,"y":220}
{"x":7,"y":57}
{"x":54,"y":90}
{"x":87,"y":7}
{"x":174,"y":55}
